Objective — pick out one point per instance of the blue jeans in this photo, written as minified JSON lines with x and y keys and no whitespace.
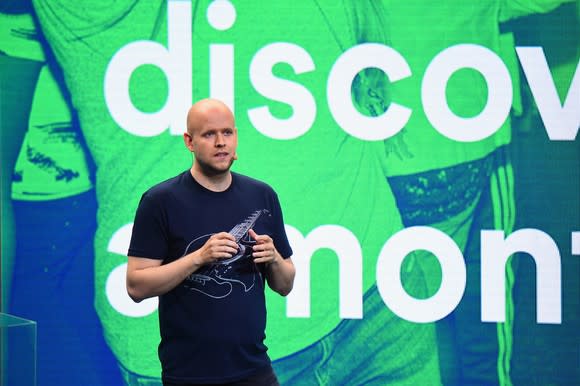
{"x":380,"y":349}
{"x":461,"y":200}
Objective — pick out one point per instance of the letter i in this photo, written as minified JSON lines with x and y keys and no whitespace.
{"x":221,"y":15}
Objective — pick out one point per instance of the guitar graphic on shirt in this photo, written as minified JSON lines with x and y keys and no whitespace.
{"x":217,"y":280}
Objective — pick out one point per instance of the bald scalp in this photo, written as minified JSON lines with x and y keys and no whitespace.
{"x":198,"y":114}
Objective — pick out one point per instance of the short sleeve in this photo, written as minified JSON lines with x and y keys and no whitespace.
{"x":149,"y":236}
{"x":280,"y":238}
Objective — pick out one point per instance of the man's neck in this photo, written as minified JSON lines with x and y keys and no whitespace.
{"x":215,"y":183}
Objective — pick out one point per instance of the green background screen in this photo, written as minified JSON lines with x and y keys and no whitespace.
{"x":425,"y":155}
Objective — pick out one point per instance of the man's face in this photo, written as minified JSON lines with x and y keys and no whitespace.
{"x":214,"y":143}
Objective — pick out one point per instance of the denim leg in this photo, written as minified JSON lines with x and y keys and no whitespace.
{"x":379,"y":349}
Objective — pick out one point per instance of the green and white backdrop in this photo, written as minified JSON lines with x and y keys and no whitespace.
{"x":425,"y":155}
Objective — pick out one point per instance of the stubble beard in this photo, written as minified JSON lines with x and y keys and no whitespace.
{"x":211,"y":171}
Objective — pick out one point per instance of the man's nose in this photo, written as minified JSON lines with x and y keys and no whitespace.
{"x":219,"y":140}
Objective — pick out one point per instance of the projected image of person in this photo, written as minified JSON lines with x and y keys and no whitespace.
{"x":362,"y":208}
{"x":457,"y":187}
{"x":547,"y":183}
{"x":206,"y":242}
{"x":131,"y":67}
{"x":16,"y":101}
{"x":54,"y":207}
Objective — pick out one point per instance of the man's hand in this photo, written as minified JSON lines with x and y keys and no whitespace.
{"x":219,"y":246}
{"x":264,"y":250}
{"x":280,"y":272}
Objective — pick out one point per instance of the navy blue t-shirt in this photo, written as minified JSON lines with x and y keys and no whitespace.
{"x":212,"y":324}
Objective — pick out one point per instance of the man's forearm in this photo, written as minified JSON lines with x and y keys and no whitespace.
{"x":281,"y":274}
{"x":148,"y":281}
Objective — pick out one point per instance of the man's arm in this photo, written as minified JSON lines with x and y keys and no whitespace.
{"x":280,"y":272}
{"x":148,"y":277}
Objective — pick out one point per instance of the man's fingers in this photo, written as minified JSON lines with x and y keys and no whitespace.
{"x":221,"y":246}
{"x":224,"y":236}
{"x":263,"y":248}
{"x":260,"y":239}
{"x":227,"y":249}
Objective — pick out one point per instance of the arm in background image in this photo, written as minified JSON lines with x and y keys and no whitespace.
{"x":18,"y":76}
{"x":513,"y":9}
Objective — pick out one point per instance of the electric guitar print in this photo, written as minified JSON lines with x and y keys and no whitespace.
{"x":217,"y":280}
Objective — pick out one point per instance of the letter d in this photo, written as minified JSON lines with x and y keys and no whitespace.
{"x":174,"y":61}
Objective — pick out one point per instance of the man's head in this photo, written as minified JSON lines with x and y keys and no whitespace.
{"x":212,"y":136}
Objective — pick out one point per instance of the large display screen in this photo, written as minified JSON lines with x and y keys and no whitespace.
{"x":425,"y":156}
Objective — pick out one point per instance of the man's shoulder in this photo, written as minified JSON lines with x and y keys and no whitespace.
{"x":167,"y":186}
{"x":244,"y":180}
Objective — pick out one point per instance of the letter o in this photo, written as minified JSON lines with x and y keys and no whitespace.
{"x":499,"y":96}
{"x":389,"y":274}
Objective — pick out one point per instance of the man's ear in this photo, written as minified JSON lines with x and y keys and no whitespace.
{"x":188,"y":141}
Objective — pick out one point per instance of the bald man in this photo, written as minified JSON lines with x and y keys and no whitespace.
{"x":206,"y":242}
